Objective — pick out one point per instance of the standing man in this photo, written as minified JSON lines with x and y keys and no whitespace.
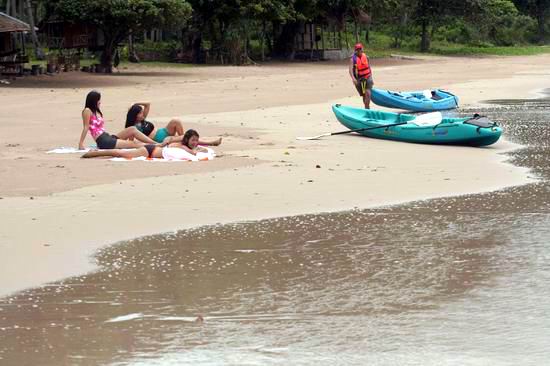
{"x":361,"y":74}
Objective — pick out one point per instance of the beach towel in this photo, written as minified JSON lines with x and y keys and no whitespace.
{"x":68,"y":150}
{"x":175,"y":154}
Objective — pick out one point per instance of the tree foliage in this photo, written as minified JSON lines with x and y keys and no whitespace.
{"x":539,"y":10}
{"x":227,"y":28}
{"x":119,"y":18}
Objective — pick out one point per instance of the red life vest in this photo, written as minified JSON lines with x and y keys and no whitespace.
{"x":361,"y":66}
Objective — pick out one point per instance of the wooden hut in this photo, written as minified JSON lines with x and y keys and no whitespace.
{"x":12,"y":45}
{"x":65,"y":35}
{"x":320,"y":42}
{"x":69,"y":40}
{"x":330,"y":40}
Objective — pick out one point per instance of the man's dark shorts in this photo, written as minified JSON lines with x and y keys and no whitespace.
{"x":364,"y":84}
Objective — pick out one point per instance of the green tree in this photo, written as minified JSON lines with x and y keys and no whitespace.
{"x":262,"y":14}
{"x":119,"y":18}
{"x":502,"y":22}
{"x":227,"y":25}
{"x":538,"y":9}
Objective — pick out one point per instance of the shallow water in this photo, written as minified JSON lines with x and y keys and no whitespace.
{"x":457,"y":281}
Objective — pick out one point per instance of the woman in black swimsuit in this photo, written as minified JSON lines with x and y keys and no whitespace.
{"x":173,"y":131}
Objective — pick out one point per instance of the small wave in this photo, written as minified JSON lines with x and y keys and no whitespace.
{"x":124,"y":318}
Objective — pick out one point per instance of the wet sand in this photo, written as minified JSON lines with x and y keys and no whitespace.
{"x":58,"y":210}
{"x":452,"y":281}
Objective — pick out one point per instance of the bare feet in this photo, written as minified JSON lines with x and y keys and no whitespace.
{"x":91,"y":154}
{"x":216,"y":142}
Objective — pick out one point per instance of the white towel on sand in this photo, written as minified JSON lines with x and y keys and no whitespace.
{"x":168,"y":153}
{"x":171,"y":154}
{"x":67,"y":150}
{"x":174,"y":153}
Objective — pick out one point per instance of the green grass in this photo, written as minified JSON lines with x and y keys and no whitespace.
{"x":123,"y":64}
{"x":380,"y":46}
{"x":465,"y":50}
{"x":459,"y":50}
{"x":154,"y":64}
{"x":83,"y":62}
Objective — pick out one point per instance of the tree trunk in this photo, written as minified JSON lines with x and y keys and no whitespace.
{"x":425,"y":42}
{"x":346,"y":39}
{"x":541,"y":22}
{"x":245,"y":56}
{"x":37,"y":49}
{"x":284,"y":43}
{"x":107,"y":54}
{"x":196,"y":47}
{"x":12,"y":8}
{"x":262,"y":39}
{"x":132,"y":56}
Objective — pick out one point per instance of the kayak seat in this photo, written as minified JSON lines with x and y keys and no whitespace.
{"x":428,"y":119}
{"x":481,"y":121}
{"x":431,"y":94}
{"x":435,"y":96}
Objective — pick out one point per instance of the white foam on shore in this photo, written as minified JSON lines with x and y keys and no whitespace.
{"x":125,"y":318}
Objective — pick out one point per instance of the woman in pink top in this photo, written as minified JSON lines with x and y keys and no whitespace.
{"x":92,"y":120}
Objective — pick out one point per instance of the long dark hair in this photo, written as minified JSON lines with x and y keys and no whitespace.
{"x":187,"y":136}
{"x":131,"y":116}
{"x":92,"y":99}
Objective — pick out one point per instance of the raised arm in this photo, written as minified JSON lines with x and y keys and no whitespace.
{"x":146,"y":108}
{"x":182,"y":146}
{"x":86,"y":114}
{"x":172,"y":139}
{"x":191,"y":151}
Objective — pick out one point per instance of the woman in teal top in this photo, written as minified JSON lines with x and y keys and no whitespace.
{"x":137,"y":115}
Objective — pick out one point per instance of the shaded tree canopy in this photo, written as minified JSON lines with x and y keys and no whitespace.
{"x":119,"y":18}
{"x":539,"y":10}
{"x":229,"y":28}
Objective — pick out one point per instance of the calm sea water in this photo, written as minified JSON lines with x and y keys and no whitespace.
{"x":456,"y":281}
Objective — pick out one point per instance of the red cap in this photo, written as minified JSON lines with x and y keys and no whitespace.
{"x":358,"y":46}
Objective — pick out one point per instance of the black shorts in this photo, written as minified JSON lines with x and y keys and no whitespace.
{"x":106,"y":141}
{"x":364,"y":84}
{"x":150,"y":148}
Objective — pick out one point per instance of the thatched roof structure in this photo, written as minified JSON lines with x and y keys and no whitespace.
{"x":11,"y":24}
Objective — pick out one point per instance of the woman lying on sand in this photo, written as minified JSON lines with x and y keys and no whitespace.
{"x":92,"y":120}
{"x":171,"y":133}
{"x":189,"y":143}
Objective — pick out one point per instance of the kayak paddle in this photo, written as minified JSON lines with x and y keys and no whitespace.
{"x":348,"y":131}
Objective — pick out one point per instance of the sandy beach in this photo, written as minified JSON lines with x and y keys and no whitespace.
{"x":57,"y":210}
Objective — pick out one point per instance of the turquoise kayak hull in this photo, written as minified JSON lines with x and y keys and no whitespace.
{"x":448,"y":131}
{"x":416,"y":101}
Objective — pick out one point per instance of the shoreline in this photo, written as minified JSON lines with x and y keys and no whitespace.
{"x":50,"y":237}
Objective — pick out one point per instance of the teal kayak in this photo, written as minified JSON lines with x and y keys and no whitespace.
{"x":430,"y":128}
{"x":416,"y":101}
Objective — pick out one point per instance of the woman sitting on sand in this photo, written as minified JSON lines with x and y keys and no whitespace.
{"x":92,"y":120}
{"x":175,"y":151}
{"x":171,"y":133}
